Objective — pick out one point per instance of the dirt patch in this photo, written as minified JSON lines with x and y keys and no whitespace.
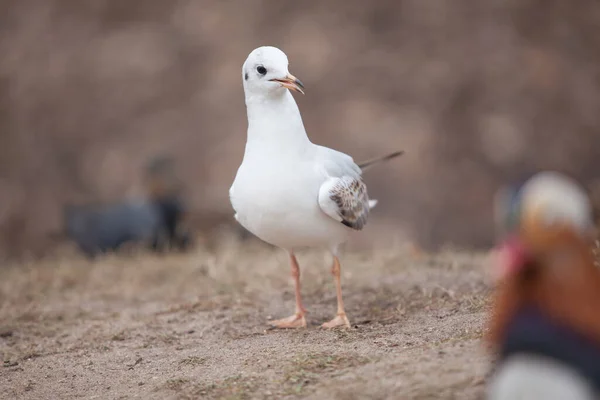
{"x":194,"y":326}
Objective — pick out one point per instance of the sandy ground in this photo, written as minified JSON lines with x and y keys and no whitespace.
{"x":188,"y":326}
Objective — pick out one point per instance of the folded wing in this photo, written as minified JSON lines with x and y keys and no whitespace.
{"x":343,"y":196}
{"x":345,"y":199}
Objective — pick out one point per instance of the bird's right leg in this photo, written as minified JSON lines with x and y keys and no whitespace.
{"x":297,"y":320}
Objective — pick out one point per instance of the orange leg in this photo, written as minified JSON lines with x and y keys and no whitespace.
{"x":340,"y":319}
{"x":297,"y":320}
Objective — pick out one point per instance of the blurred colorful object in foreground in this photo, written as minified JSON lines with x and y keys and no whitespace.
{"x":544,"y":326}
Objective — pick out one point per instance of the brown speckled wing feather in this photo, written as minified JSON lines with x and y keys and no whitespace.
{"x":346,"y":200}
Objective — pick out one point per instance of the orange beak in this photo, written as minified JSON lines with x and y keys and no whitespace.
{"x":290,"y":82}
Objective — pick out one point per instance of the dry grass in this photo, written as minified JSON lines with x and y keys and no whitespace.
{"x":193,"y":326}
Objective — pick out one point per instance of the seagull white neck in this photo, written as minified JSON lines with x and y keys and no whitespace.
{"x":274,"y":121}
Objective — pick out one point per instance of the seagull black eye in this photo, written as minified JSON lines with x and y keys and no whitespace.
{"x":261,"y":70}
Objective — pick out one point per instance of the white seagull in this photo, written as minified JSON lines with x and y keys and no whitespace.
{"x":290,"y":192}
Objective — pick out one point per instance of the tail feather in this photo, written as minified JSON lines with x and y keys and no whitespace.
{"x":369,"y":163}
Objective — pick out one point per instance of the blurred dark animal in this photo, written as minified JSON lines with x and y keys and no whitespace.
{"x":165,"y":192}
{"x":99,"y":229}
{"x":545,"y":324}
{"x":155,"y":221}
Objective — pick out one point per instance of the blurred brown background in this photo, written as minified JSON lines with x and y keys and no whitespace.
{"x":478,"y":92}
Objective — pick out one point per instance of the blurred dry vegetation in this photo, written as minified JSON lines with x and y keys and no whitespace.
{"x":478,"y":92}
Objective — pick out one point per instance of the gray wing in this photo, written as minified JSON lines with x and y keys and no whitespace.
{"x":343,"y":196}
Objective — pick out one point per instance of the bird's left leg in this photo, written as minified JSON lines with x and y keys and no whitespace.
{"x":340,"y":319}
{"x":297,"y":320}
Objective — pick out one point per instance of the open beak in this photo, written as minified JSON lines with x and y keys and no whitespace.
{"x":290,"y":82}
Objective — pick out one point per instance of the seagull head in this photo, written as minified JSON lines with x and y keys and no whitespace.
{"x":265,"y":71}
